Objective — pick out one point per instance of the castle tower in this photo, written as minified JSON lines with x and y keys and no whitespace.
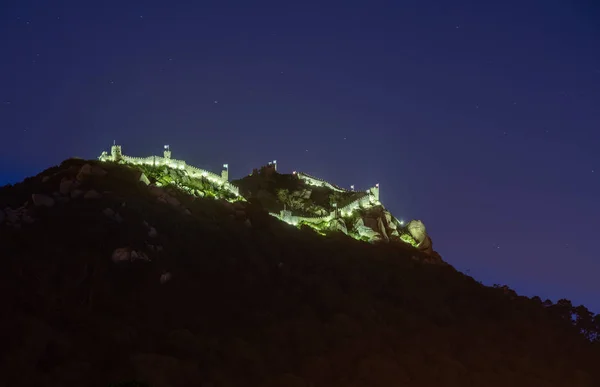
{"x":375,"y":191}
{"x":115,"y":152}
{"x":225,"y":172}
{"x":167,"y":152}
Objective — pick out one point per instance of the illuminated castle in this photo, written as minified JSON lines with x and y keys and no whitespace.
{"x":117,"y":156}
{"x":359,"y":199}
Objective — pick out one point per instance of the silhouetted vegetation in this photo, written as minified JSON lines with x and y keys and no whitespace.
{"x":251,"y":301}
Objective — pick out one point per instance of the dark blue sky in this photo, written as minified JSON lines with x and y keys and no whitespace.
{"x":480,"y":118}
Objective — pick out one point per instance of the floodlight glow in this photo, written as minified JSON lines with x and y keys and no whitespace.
{"x":377,"y":185}
{"x":225,"y":165}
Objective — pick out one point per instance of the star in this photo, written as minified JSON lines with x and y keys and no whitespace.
{"x":216,"y":101}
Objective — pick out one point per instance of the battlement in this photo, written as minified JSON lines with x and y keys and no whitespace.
{"x":221,"y":180}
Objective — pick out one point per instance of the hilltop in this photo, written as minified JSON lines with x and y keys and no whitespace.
{"x":117,"y":272}
{"x":298,"y":199}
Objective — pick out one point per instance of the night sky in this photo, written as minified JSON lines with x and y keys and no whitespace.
{"x":480,"y":118}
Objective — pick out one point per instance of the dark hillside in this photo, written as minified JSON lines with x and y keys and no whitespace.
{"x":106,"y":279}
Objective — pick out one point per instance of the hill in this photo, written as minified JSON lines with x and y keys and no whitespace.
{"x":115,"y":273}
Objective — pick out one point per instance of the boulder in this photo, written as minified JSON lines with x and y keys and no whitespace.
{"x":143,"y":178}
{"x":76,"y":193}
{"x":139,"y":255}
{"x":338,"y":225}
{"x":121,"y":254}
{"x":172,"y":201}
{"x":109,"y":212}
{"x":12,"y":216}
{"x":66,"y":185}
{"x":426,"y":245}
{"x":371,"y":223}
{"x":92,"y":194}
{"x":416,"y":228}
{"x":389,"y":220}
{"x":42,"y":200}
{"x":366,"y":232}
{"x":157,"y":191}
{"x":382,"y":231}
{"x":84,"y":171}
{"x":165,"y":277}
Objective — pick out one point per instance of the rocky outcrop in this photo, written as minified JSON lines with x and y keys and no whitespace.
{"x":382,"y":229}
{"x":366,"y":232}
{"x":338,"y":225}
{"x":143,"y":178}
{"x":88,"y":170}
{"x":417,"y":230}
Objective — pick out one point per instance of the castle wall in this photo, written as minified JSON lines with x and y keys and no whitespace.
{"x":320,"y":182}
{"x":159,"y":161}
{"x":287,"y":217}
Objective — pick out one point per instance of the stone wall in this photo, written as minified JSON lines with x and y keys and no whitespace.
{"x":159,"y":161}
{"x":320,"y":182}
